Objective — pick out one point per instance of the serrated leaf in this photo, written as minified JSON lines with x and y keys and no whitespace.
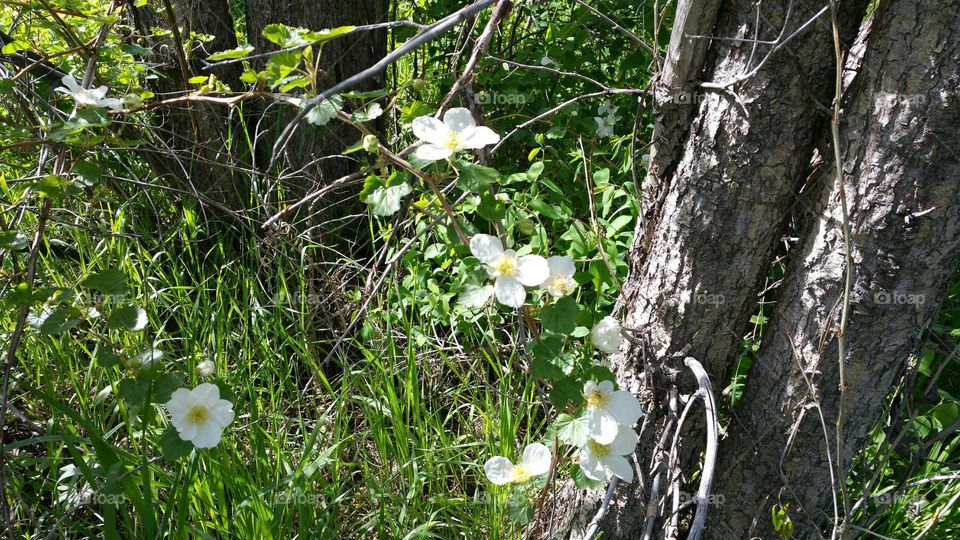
{"x":582,"y":482}
{"x":165,"y":385}
{"x":372,"y":112}
{"x":172,"y":447}
{"x":87,"y":173}
{"x":475,"y":178}
{"x":130,"y":318}
{"x":474,"y":296}
{"x":519,"y":510}
{"x":52,"y":321}
{"x":107,"y":358}
{"x":385,"y":201}
{"x":566,"y":392}
{"x":325,"y":111}
{"x":232,"y":54}
{"x":572,"y":430}
{"x":561,"y":316}
{"x":550,"y":362}
{"x":133,"y":391}
{"x":109,"y":281}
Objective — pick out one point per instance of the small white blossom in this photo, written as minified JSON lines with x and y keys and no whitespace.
{"x":199,"y":415}
{"x":599,"y":461}
{"x":560,"y":283}
{"x":606,"y":336}
{"x":205,"y":368}
{"x":86,"y":96}
{"x":458,"y":131}
{"x":510,"y":272}
{"x":608,"y":412}
{"x":606,"y":120}
{"x":535,"y":461}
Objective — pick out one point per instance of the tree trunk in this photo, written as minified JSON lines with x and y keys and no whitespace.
{"x":724,"y":184}
{"x":902,"y":178}
{"x":313,"y":156}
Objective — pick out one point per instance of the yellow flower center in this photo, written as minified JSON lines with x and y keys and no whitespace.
{"x":562,"y":284}
{"x":598,"y":449}
{"x":520,"y":475}
{"x":454,"y":142}
{"x":506,"y":266}
{"x":596,"y":399}
{"x":198,"y":414}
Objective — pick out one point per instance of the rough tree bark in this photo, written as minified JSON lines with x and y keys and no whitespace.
{"x":723,"y":182}
{"x":313,"y":155}
{"x":717,"y":202}
{"x":902,"y":177}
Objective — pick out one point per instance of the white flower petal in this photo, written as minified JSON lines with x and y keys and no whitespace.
{"x":509,"y":291}
{"x":605,"y":386}
{"x":207,"y":436}
{"x":532,"y":270}
{"x":428,"y":128}
{"x":590,"y":387}
{"x":625,"y":442}
{"x":601,"y":427}
{"x":561,"y":264}
{"x":458,"y":119}
{"x":605,"y":335}
{"x":619,"y":466}
{"x":186,"y":430}
{"x":433,"y":152}
{"x":625,"y":407}
{"x":499,"y":470}
{"x":487,"y":248}
{"x":180,"y":400}
{"x":222,"y":413}
{"x":71,"y":83}
{"x":206,"y":392}
{"x":591,"y":466}
{"x":536,"y":459}
{"x":478,"y":137}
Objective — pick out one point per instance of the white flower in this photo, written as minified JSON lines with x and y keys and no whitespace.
{"x":608,"y":410}
{"x":510,"y":272}
{"x":457,"y":132}
{"x":535,"y":461}
{"x":606,"y":335}
{"x":85,"y":96}
{"x":560,"y":282}
{"x":607,"y":119}
{"x":205,"y":368}
{"x":199,"y":415}
{"x":599,"y":461}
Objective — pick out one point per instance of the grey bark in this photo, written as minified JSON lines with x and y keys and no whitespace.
{"x":723,"y":190}
{"x":902,"y":176}
{"x":313,"y":155}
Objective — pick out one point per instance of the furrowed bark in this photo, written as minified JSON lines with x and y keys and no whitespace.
{"x":902,"y":177}
{"x":718,"y":212}
{"x":313,"y":156}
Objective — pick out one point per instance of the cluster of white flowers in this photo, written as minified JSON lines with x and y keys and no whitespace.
{"x":535,"y":462}
{"x":610,"y":415}
{"x":607,"y":119}
{"x":512,"y":273}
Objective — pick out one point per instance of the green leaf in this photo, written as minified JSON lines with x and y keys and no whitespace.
{"x":110,"y":281}
{"x":130,"y":318}
{"x":87,"y":173}
{"x":327,"y":34}
{"x":285,"y":36}
{"x":549,"y":360}
{"x":325,"y":111}
{"x":56,"y":187}
{"x":56,"y":320}
{"x":561,"y":316}
{"x":21,"y":295}
{"x":372,"y":112}
{"x":572,"y":430}
{"x":133,"y":391}
{"x":15,"y":46}
{"x":475,"y":178}
{"x":232,"y":54}
{"x":601,"y":177}
{"x":197,"y":79}
{"x":280,"y":66}
{"x":534,"y":171}
{"x":172,"y":447}
{"x":519,"y":510}
{"x":474,"y":296}
{"x":107,"y":358}
{"x":165,"y":385}
{"x":490,"y":208}
{"x":385,"y":201}
{"x":582,"y":482}
{"x":566,"y":392}
{"x":13,"y":240}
